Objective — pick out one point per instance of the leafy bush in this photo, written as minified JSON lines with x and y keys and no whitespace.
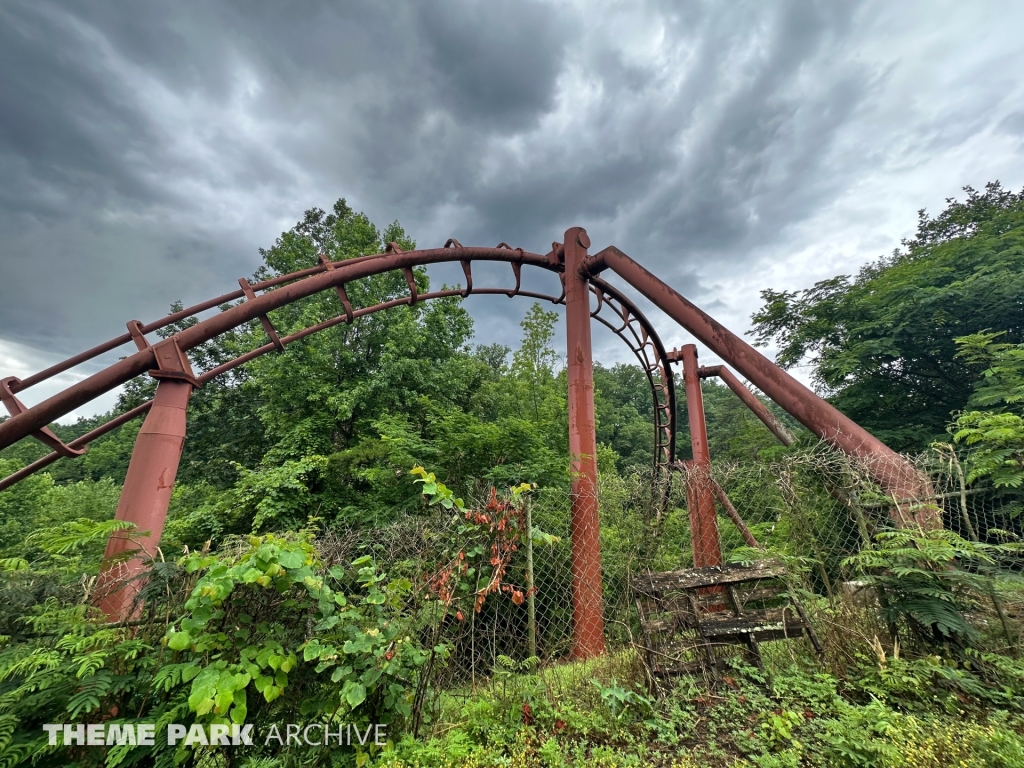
{"x":928,"y":580}
{"x":262,"y":632}
{"x":995,"y":435}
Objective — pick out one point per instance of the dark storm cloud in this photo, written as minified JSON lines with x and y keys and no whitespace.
{"x":121,"y":127}
{"x":148,"y":149}
{"x":493,"y":65}
{"x":752,"y":165}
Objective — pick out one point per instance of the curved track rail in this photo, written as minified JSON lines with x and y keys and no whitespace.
{"x":147,"y":488}
{"x":620,"y":315}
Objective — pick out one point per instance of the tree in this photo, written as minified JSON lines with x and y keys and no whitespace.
{"x":625,"y":414}
{"x":993,"y":430}
{"x":534,"y":361}
{"x":882,"y":346}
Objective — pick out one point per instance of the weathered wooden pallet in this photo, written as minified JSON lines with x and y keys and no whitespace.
{"x":692,"y":612}
{"x":657,"y":584}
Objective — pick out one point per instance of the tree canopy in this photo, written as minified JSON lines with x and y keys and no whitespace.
{"x":882,"y":344}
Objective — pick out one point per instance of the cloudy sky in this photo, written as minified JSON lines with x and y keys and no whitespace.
{"x":148,"y":149}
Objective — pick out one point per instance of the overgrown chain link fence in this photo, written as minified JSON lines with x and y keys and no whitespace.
{"x":813,"y":508}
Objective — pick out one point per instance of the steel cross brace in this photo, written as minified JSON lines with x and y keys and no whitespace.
{"x":44,"y":435}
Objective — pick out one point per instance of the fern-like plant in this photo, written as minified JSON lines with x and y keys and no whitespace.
{"x":929,"y":580}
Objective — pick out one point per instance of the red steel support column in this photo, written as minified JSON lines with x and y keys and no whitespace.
{"x":707,"y":548}
{"x":910,"y":489}
{"x":588,"y":605}
{"x":144,"y":498}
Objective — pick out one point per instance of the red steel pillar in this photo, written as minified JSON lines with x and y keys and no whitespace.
{"x":588,"y":605}
{"x":144,"y":499}
{"x":707,"y":548}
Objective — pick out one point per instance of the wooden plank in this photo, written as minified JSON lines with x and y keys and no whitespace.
{"x":770,"y":615}
{"x":747,"y":595}
{"x":728,"y":625}
{"x":693,"y":578}
{"x":760,"y":594}
{"x":790,"y":633}
{"x":754,"y":622}
{"x":668,"y":624}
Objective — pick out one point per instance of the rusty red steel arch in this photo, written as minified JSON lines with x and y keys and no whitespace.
{"x":146,"y":492}
{"x":626,"y":321}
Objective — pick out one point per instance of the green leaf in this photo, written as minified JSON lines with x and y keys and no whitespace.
{"x":272,"y":692}
{"x":179,"y":641}
{"x":354,"y":694}
{"x":291,"y":559}
{"x":240,"y":708}
{"x":189,"y":672}
{"x":341,"y":672}
{"x":311,"y":651}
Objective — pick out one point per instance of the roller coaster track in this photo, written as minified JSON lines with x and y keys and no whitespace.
{"x":613,"y":309}
{"x":146,"y":492}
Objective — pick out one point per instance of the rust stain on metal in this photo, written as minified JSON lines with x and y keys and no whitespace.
{"x":144,"y":500}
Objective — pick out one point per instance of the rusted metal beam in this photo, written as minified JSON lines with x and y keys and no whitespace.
{"x":340,"y":289}
{"x":118,"y":341}
{"x":78,"y":442}
{"x":727,"y":505}
{"x":664,"y":446}
{"x":705,"y":542}
{"x":144,"y":500}
{"x":195,"y":309}
{"x":650,"y":351}
{"x":128,"y":368}
{"x":44,"y":434}
{"x":268,"y":327}
{"x":749,"y":399}
{"x":904,"y":483}
{"x":588,"y":605}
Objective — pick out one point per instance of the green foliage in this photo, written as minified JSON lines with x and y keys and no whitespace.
{"x":436,"y":492}
{"x":261,"y":632}
{"x":534,"y":361}
{"x":997,"y":440}
{"x":622,"y":702}
{"x":799,"y":719}
{"x":107,"y":455}
{"x":36,"y":502}
{"x":928,"y":580}
{"x":476,"y":559}
{"x":1002,"y":368}
{"x":56,"y":663}
{"x":995,"y":435}
{"x":883,"y":344}
{"x":20,"y":507}
{"x":352,"y":660}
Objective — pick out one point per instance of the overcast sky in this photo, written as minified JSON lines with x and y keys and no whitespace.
{"x":148,"y":149}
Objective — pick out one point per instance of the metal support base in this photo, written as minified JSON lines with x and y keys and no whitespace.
{"x":144,"y":500}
